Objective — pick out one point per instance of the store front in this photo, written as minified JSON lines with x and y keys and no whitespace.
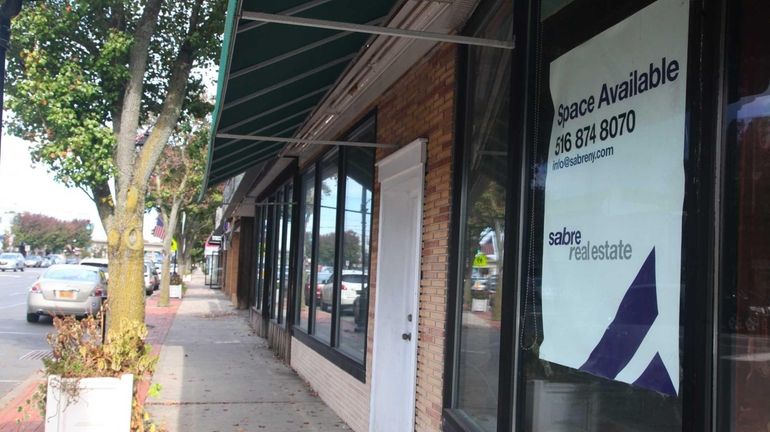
{"x":563,"y":236}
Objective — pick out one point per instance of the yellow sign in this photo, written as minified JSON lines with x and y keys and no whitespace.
{"x":173,"y":245}
{"x":480,"y":260}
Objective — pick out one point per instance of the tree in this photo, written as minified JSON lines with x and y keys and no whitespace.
{"x":199,"y":223}
{"x":175,"y":185}
{"x":352,"y":249}
{"x":83,"y":76}
{"x":39,"y":231}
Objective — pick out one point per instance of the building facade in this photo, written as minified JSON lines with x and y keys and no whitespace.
{"x":529,"y":215}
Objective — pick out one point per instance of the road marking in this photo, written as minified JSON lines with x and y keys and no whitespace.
{"x":10,"y":276}
{"x":15,"y":294}
{"x":13,"y":305}
{"x":37,"y":355}
{"x":10,"y":381}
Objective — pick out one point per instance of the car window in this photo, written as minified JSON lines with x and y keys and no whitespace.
{"x":353,"y":278}
{"x":7,"y":256}
{"x":97,"y":265}
{"x":77,"y":275}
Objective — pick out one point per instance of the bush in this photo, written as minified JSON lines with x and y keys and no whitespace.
{"x":78,"y":352}
{"x":175,"y":279}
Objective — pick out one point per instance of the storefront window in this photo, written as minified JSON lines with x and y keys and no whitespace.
{"x":599,"y":347}
{"x":354,"y":279}
{"x":307,"y":291}
{"x":287,"y":249}
{"x":484,"y":180}
{"x":744,"y":339}
{"x":338,"y":270}
{"x":262,"y":254}
{"x":277,"y":268}
{"x":326,"y":248}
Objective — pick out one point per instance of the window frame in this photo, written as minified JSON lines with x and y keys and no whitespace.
{"x":330,"y":351}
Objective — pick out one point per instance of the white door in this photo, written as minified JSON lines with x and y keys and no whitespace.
{"x":396,"y":299}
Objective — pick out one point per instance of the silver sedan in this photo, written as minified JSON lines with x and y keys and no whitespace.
{"x":67,"y":289}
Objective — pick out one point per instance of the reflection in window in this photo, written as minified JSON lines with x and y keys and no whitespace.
{"x":287,"y":248}
{"x":261,"y":254}
{"x":307,"y":292}
{"x":278,"y":230}
{"x":744,"y":350}
{"x":481,"y":246}
{"x":326,"y":248}
{"x":354,"y":283}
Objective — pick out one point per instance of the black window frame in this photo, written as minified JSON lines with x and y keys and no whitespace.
{"x":330,"y":351}
{"x":704,"y":188}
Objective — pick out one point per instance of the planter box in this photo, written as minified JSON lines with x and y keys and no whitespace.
{"x":103,"y":404}
{"x":479,"y":305}
{"x":175,"y":291}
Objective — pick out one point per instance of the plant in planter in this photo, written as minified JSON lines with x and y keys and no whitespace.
{"x":175,"y":286}
{"x":89,"y":380}
{"x":479,"y":300}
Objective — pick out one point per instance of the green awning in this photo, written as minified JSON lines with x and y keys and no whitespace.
{"x":272,"y":76}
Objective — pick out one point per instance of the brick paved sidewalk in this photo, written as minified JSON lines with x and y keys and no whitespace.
{"x":158,"y":321}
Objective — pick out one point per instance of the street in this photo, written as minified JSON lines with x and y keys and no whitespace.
{"x":22,"y":343}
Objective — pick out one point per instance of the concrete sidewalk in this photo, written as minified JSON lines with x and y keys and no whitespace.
{"x":217,"y":376}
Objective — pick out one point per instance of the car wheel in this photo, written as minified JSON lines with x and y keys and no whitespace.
{"x":22,"y":269}
{"x":14,"y":269}
{"x":32,"y":318}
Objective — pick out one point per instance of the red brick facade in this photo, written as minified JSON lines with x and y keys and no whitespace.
{"x":422,"y":105}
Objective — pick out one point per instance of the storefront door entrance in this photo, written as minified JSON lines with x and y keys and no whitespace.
{"x":396,"y":298}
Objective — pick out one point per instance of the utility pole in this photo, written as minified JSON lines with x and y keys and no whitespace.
{"x":8,"y":10}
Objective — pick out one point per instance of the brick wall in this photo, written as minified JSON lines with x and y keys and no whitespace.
{"x":347,"y":396}
{"x":230,"y":285}
{"x":421,"y":105}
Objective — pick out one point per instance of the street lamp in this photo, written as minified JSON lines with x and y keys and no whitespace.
{"x":8,"y":10}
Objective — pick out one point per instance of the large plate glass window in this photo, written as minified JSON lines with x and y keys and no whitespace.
{"x":326,"y":247}
{"x":599,"y":347}
{"x":484,"y":156}
{"x":307,"y":291}
{"x":333,"y":303}
{"x":354,"y":277}
{"x":278,"y":250}
{"x":744,"y":339}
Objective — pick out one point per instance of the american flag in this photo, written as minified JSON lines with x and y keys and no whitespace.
{"x":159,"y":231}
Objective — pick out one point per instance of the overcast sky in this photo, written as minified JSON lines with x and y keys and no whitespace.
{"x":24,"y":188}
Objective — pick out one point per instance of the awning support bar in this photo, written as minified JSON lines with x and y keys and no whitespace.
{"x":370,"y":29}
{"x":305,"y":141}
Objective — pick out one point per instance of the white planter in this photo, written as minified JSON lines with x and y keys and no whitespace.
{"x":175,"y":291}
{"x":103,"y":404}
{"x":479,"y":305}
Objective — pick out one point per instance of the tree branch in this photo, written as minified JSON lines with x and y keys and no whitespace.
{"x":132,"y":99}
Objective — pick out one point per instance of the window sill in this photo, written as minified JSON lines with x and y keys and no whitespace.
{"x":352,"y":367}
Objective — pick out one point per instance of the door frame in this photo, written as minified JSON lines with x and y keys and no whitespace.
{"x":408,"y":160}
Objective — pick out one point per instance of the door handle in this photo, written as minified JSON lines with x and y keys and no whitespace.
{"x":406,"y":336}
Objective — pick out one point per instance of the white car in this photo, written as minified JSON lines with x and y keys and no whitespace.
{"x":100,"y":263}
{"x":351,"y":287}
{"x":67,"y":289}
{"x":11,"y":261}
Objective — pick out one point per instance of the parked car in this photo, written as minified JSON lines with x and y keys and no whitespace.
{"x":67,"y":289}
{"x":33,"y":261}
{"x":151,"y":280}
{"x":56,"y":259}
{"x":321,"y":278}
{"x":11,"y":261}
{"x":45,"y":262}
{"x":100,"y":263}
{"x":351,"y":286}
{"x":155,"y":269}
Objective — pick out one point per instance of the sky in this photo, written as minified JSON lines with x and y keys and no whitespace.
{"x":28,"y":188}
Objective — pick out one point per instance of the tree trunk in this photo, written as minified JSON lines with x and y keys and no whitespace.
{"x":165,"y":269}
{"x":125,"y":249}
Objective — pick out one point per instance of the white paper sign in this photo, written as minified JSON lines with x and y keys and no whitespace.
{"x":614,"y":192}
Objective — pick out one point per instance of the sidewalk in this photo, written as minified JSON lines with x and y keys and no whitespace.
{"x":158,"y":324}
{"x":217,"y":376}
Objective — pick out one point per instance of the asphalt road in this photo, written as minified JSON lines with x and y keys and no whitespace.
{"x":18,"y":338}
